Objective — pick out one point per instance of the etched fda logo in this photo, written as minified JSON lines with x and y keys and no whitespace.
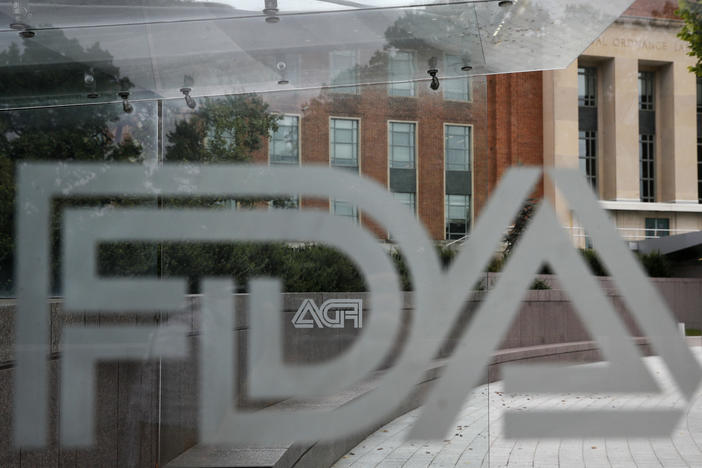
{"x":438,"y":300}
{"x":332,"y":314}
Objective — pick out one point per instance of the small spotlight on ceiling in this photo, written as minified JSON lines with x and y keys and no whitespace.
{"x":88,"y":78}
{"x":271,"y":11}
{"x":466,"y":68}
{"x":504,"y":3}
{"x":126,"y":105}
{"x":188,"y":98}
{"x":282,"y":68}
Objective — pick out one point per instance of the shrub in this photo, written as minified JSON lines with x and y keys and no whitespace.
{"x":656,"y":265}
{"x":593,"y":261}
{"x":446,"y":255}
{"x":496,"y":264}
{"x":539,"y":284}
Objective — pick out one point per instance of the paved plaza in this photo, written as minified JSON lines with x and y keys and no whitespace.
{"x":479,"y":427}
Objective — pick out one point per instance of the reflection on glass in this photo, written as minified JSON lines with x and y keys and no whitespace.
{"x":456,"y":89}
{"x":284,"y":142}
{"x":343,"y":70}
{"x":99,"y":133}
{"x":400,"y":72}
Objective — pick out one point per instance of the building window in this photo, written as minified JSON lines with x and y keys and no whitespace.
{"x":402,"y":145}
{"x":587,"y":87}
{"x":284,"y":142}
{"x":457,"y":211}
{"x":346,"y":209}
{"x":407,"y":199}
{"x":401,"y":72}
{"x":587,"y":155}
{"x":457,"y":147}
{"x":657,"y":227}
{"x":646,"y":91}
{"x":456,"y":89}
{"x":343,"y":140}
{"x":343,"y":71}
{"x":647,"y":167}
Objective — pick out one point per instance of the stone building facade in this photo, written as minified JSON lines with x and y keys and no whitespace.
{"x":626,"y":113}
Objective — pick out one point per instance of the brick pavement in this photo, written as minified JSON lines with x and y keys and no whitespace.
{"x":479,"y":426}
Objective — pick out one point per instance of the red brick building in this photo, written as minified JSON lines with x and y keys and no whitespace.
{"x":500,"y":117}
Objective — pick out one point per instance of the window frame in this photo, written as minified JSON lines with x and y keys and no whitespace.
{"x":589,"y":74}
{"x":299,"y":144}
{"x":447,"y":220}
{"x":586,"y":161}
{"x":649,"y":162}
{"x":354,"y":209}
{"x":357,"y":121}
{"x":646,"y":82}
{"x":656,"y":231}
{"x":413,"y":200}
{"x":469,"y":165}
{"x":415,"y":160}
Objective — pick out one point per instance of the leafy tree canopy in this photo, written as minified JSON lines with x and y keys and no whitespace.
{"x":224,"y":129}
{"x":691,"y":32}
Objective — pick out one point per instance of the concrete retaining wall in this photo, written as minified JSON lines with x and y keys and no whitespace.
{"x":146,"y":412}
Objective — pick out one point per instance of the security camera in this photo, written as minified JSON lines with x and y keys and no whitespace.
{"x":434,"y":83}
{"x":434,"y":79}
{"x":281,"y":66}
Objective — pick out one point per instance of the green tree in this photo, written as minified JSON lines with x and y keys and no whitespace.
{"x":520,"y":223}
{"x":691,"y":32}
{"x":226,"y":129}
{"x":223,"y":129}
{"x":35,"y":75}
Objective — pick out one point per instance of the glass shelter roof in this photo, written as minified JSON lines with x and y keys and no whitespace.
{"x":154,"y":48}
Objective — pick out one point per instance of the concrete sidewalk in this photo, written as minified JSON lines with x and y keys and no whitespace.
{"x":479,"y":427}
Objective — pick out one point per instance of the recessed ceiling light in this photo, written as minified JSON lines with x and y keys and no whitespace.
{"x":466,"y":68}
{"x":92,"y":95}
{"x":504,"y":3}
{"x":283,"y":82}
{"x":27,"y":34}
